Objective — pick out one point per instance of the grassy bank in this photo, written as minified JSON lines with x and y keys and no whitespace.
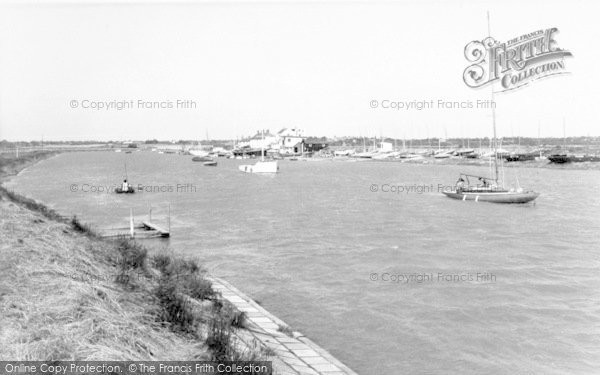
{"x":68,"y":294}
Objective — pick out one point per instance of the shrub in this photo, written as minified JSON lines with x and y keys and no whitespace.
{"x":161,"y":262}
{"x":132,"y":255}
{"x":176,"y":308}
{"x":196,"y":286}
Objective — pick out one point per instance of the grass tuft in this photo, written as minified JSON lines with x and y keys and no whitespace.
{"x":221,"y":340}
{"x":131,"y":262}
{"x":80,"y":227}
{"x":132,"y":255}
{"x":286,"y":330}
{"x":176,"y":308}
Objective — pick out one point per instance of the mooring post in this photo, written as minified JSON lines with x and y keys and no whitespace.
{"x":131,"y":232}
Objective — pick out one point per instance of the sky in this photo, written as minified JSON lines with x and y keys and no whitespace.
{"x":241,"y":66}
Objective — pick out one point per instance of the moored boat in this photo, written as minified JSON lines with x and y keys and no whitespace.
{"x":584,"y":158}
{"x":559,"y":158}
{"x":210,"y":163}
{"x":262,"y":166}
{"x":489,"y":189}
{"x":486,"y":192}
{"x":202,"y":158}
{"x":129,"y":190}
{"x":520,"y":157}
{"x":125,"y":187}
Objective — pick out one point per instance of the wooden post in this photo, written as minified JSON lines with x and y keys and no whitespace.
{"x":131,"y":232}
{"x":169,"y":219}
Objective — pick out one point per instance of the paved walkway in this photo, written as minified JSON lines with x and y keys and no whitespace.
{"x":295,"y":353}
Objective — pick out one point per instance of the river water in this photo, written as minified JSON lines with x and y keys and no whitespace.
{"x":390,"y":283}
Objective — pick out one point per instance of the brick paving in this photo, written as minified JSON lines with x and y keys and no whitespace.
{"x":294,"y":353}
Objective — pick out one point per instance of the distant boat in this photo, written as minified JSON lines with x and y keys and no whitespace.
{"x":442,"y":155}
{"x":125,"y":187}
{"x":364,"y":155}
{"x":564,"y":158}
{"x":129,"y":190}
{"x":464,"y":152}
{"x":559,"y":158}
{"x":343,"y":153}
{"x":210,"y":163}
{"x":118,"y":150}
{"x":411,"y":157}
{"x":583,"y":158}
{"x":197,"y":152}
{"x":520,"y":157}
{"x":202,"y":158}
{"x":262,"y":166}
{"x":382,"y":155}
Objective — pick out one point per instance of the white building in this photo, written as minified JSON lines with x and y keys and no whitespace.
{"x":290,"y":140}
{"x":287,"y":141}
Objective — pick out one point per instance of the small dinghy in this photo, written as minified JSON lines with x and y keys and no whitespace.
{"x":210,"y":163}
{"x":202,"y":158}
{"x":130,"y":190}
{"x":125,"y":187}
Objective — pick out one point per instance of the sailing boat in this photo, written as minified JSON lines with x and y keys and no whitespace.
{"x":561,"y":158}
{"x":262,"y":166}
{"x":125,"y":187}
{"x":199,"y":152}
{"x":489,"y":189}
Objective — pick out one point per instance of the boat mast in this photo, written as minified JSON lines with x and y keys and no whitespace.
{"x":262,"y":146}
{"x":493,"y":116}
{"x":564,"y":136}
{"x":539,"y":145}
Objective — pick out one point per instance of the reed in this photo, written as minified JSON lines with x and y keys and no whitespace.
{"x":180,"y":280}
{"x":176,"y":308}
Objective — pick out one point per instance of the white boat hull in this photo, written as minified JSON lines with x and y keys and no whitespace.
{"x":494,"y":197}
{"x":198,"y":152}
{"x":260,"y":167}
